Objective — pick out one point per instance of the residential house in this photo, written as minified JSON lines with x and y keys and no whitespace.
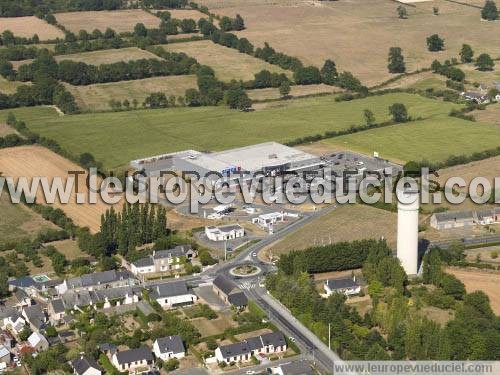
{"x":270,"y":343}
{"x":35,"y":316}
{"x":346,"y":285}
{"x":14,"y":323}
{"x":476,"y":97}
{"x":229,"y":292}
{"x":133,"y":360}
{"x":172,"y":294}
{"x":108,"y":349}
{"x":97,"y":281}
{"x":84,"y":365}
{"x":32,"y":287}
{"x":22,"y":298}
{"x":453,"y":219}
{"x":163,"y":260}
{"x":300,"y":367}
{"x":224,"y":232}
{"x":38,"y":342}
{"x":56,"y":311}
{"x":169,"y":347}
{"x":5,"y":356}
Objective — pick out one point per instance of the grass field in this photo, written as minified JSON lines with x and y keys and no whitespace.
{"x":316,"y":30}
{"x":491,"y":114}
{"x":432,"y":139}
{"x":118,"y":20}
{"x":9,"y":87}
{"x":117,"y":138}
{"x":18,"y":221}
{"x":346,"y":223}
{"x":296,"y":91}
{"x":69,"y":248}
{"x":96,"y":97}
{"x":227,"y":63}
{"x":101,"y":57}
{"x":486,"y":78}
{"x":6,"y":130}
{"x":31,"y":161}
{"x":28,"y":26}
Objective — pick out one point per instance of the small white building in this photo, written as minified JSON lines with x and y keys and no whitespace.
{"x":174,"y":294}
{"x":133,"y":360}
{"x":38,"y":342}
{"x":268,"y":220}
{"x":169,"y":347}
{"x":347,"y":286}
{"x":224,"y":232}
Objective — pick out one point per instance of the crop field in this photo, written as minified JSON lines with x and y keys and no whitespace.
{"x":486,"y":281}
{"x":118,"y":20}
{"x":339,"y":225}
{"x":28,"y":26}
{"x":96,"y":97}
{"x":315,"y":31}
{"x":118,"y":137}
{"x":101,"y":57}
{"x":227,"y":63}
{"x":32,"y":161}
{"x":491,"y":114}
{"x":432,"y":139}
{"x":18,"y":221}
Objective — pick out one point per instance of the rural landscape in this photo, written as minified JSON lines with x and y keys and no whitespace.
{"x":102,"y":93}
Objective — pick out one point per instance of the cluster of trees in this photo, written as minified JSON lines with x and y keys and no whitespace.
{"x":80,"y":73}
{"x":59,"y":261}
{"x":448,"y":70}
{"x":335,"y":257}
{"x":164,"y":4}
{"x":18,"y":8}
{"x":489,"y":11}
{"x":9,"y":39}
{"x":210,"y":89}
{"x":265,"y":78}
{"x":435,"y":43}
{"x":396,"y":61}
{"x":136,"y":225}
{"x":230,"y":24}
{"x":18,"y":52}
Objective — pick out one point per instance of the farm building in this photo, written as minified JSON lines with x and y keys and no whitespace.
{"x":460,"y":219}
{"x":225,"y":232}
{"x":228,"y":291}
{"x":476,"y":97}
{"x":347,"y":286}
{"x":269,"y":219}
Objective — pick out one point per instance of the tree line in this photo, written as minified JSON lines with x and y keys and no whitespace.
{"x":19,"y":8}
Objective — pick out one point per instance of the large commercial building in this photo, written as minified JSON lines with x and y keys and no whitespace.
{"x":268,"y":158}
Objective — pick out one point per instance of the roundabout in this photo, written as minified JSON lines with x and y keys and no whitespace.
{"x":245,"y":270}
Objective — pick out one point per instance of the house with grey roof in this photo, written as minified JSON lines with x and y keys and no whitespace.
{"x":346,"y":285}
{"x":476,"y":97}
{"x":269,"y":343}
{"x":97,"y":281}
{"x":163,"y":260}
{"x":452,"y":219}
{"x":13,"y":322}
{"x":84,"y":365}
{"x":224,"y":232}
{"x":229,"y":292}
{"x":300,"y":367}
{"x":56,"y":311}
{"x":133,"y":360}
{"x":38,"y":342}
{"x":172,"y":294}
{"x":35,"y":316}
{"x":168,"y":347}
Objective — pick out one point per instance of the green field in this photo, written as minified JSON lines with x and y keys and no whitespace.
{"x":117,"y":138}
{"x":9,"y":87}
{"x":432,"y":139}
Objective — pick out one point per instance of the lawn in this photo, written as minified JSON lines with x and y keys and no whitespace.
{"x":117,"y":138}
{"x":317,"y":30}
{"x":96,"y":97}
{"x":227,"y":63}
{"x":118,"y":20}
{"x":18,"y":221}
{"x":432,"y":139}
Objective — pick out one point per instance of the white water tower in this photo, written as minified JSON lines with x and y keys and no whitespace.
{"x":407,"y":250}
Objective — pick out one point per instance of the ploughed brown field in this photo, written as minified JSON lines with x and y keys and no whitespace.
{"x":28,"y":26}
{"x":118,"y":20}
{"x":35,"y":161}
{"x":357,"y":34}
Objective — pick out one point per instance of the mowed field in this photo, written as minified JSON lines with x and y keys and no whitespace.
{"x":316,"y":30}
{"x":35,"y":161}
{"x":485,"y":281}
{"x":17,"y":221}
{"x":118,"y":137}
{"x":227,"y":63}
{"x":431,"y":139}
{"x":118,"y":20}
{"x":96,"y":97}
{"x":28,"y":26}
{"x":101,"y":57}
{"x":346,"y":223}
